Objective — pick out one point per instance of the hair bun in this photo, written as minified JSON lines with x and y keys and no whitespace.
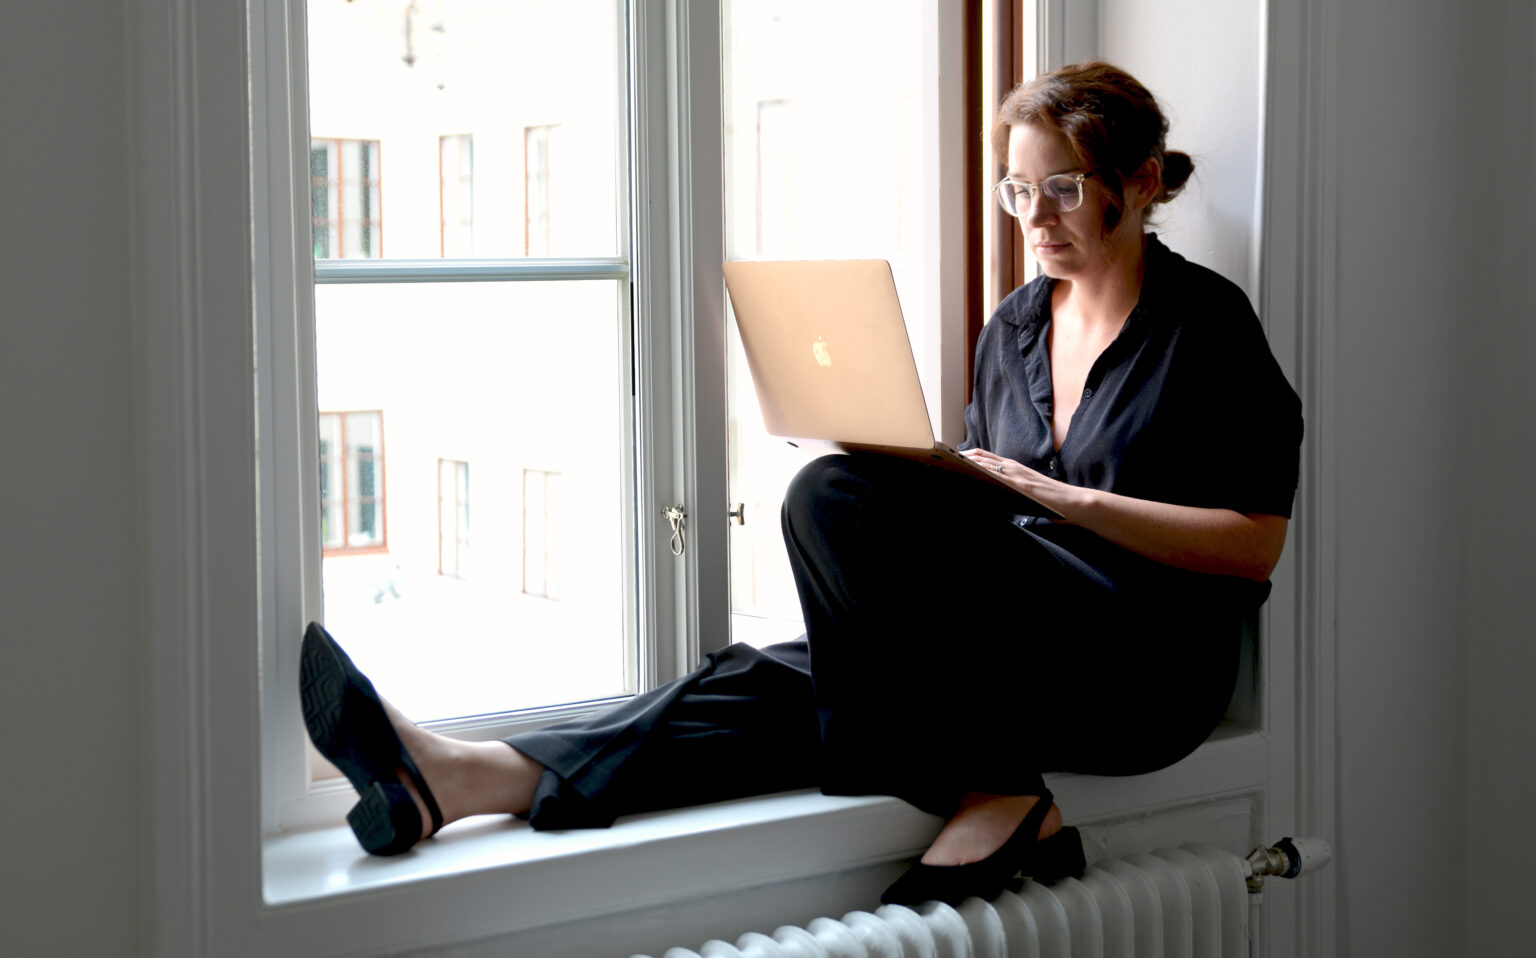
{"x":1177,"y":166}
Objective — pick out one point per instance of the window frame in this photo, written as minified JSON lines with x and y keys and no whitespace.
{"x":343,"y":479}
{"x":671,"y":329}
{"x":461,"y":184}
{"x":461,"y":536}
{"x":538,"y":142}
{"x":336,"y":181}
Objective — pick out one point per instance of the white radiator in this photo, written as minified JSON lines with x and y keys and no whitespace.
{"x":1189,"y":901}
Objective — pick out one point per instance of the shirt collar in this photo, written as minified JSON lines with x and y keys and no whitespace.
{"x":1034,"y":306}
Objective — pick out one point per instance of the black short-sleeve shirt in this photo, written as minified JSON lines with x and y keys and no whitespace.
{"x":1187,"y":405}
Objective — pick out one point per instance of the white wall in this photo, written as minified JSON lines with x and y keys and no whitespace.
{"x":1402,"y":454}
{"x":1219,"y":124}
{"x":71,"y":643}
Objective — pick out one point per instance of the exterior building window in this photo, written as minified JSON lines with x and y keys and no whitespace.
{"x":774,"y":174}
{"x":456,"y":193}
{"x":344,"y":199}
{"x":540,"y":505}
{"x":538,"y":142}
{"x":453,"y":518}
{"x":352,"y":482}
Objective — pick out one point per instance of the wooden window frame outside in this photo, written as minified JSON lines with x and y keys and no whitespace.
{"x":334,"y":181}
{"x":345,"y":500}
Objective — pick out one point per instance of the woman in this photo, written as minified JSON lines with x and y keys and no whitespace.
{"x":954,"y":650}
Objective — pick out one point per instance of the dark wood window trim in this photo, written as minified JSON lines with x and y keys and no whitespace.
{"x":991,"y":281}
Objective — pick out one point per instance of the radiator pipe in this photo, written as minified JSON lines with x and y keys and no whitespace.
{"x":1287,"y":858}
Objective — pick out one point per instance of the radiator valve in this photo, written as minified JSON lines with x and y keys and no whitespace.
{"x":1287,"y":858}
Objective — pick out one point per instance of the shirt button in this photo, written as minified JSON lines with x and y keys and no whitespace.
{"x":1088,"y":393}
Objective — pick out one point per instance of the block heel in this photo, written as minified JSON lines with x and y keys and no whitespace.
{"x":385,"y":820}
{"x":1059,"y":856}
{"x":346,"y":720}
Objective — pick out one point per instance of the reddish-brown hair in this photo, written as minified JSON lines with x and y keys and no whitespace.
{"x":1112,"y":122}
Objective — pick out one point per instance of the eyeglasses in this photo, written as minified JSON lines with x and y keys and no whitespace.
{"x":1064,"y":191}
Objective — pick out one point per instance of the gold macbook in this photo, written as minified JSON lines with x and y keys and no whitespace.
{"x":831,"y":361}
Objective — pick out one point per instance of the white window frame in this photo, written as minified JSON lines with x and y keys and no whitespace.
{"x":661,"y":318}
{"x":224,"y":286}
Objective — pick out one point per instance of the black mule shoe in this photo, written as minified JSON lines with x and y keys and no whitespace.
{"x":349,"y":726}
{"x":1045,"y":859}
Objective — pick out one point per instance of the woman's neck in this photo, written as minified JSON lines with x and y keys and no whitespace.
{"x":1101,"y":301}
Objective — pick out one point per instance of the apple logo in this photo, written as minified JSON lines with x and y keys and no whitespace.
{"x":823,"y":355}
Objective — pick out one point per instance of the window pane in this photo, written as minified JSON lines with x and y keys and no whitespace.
{"x":824,"y":142}
{"x":522,"y":380}
{"x":432,"y":101}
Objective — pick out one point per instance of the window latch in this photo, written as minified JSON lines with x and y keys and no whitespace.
{"x":675,"y":516}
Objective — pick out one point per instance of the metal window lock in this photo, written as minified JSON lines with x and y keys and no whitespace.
{"x":676,"y":516}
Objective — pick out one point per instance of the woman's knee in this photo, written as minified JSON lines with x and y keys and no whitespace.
{"x":818,"y":486}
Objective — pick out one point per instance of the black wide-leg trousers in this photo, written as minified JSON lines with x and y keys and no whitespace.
{"x":948,"y":649}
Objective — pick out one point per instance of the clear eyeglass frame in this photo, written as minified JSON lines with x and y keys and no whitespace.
{"x":1064,"y":191}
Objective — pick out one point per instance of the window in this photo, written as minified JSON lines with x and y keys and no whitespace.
{"x":475,"y":353}
{"x":825,"y":158}
{"x":560,"y":379}
{"x":452,"y":518}
{"x":344,"y":199}
{"x":352,"y":481}
{"x":537,"y":176}
{"x":456,"y":193}
{"x":541,"y":504}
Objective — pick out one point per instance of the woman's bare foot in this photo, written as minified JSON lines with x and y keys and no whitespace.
{"x":466,"y":778}
{"x":981,"y":826}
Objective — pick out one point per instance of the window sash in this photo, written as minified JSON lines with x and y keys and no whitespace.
{"x":676,"y":336}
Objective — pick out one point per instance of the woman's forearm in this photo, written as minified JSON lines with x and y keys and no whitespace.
{"x":1215,"y":541}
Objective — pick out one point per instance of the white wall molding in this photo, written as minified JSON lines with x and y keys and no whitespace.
{"x":193,"y":317}
{"x":1299,"y":302}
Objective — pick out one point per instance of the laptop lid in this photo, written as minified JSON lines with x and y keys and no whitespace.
{"x":828,"y":350}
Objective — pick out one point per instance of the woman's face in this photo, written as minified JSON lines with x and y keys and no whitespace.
{"x":1069,"y":245}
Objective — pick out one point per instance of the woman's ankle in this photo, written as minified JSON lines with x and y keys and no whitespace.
{"x":982,"y":824}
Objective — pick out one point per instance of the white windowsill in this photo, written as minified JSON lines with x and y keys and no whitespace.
{"x":494,"y":875}
{"x":323,"y":862}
